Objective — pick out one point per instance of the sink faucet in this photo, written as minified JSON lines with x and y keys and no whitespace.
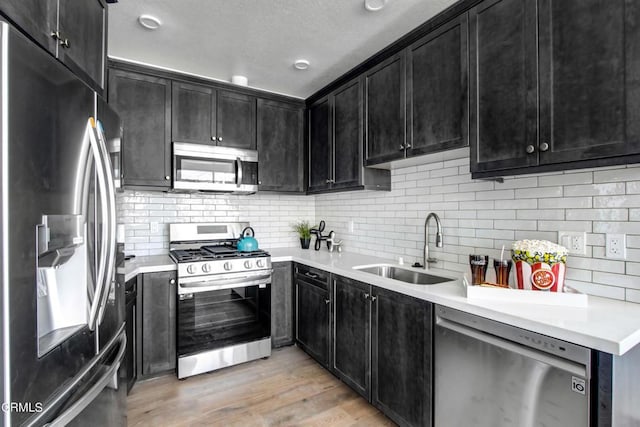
{"x":427,"y":260}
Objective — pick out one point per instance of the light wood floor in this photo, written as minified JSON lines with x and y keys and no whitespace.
{"x":287,"y":389}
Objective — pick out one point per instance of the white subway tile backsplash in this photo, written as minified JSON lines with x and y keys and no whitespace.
{"x":595,"y":189}
{"x":566,"y":203}
{"x":631,"y":173}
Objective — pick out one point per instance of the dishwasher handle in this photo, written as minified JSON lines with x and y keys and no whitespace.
{"x":565,"y":365}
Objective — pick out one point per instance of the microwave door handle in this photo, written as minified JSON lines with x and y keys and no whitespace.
{"x":104,"y":243}
{"x":111,"y":216}
{"x":239,"y":174}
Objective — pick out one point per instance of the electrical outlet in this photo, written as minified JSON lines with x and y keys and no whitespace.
{"x":574,"y":241}
{"x":616,"y":246}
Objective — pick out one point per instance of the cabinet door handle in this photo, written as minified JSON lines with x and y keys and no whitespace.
{"x":373,"y":297}
{"x":213,"y":138}
{"x":408,"y":145}
{"x":544,"y":146}
{"x":313,"y":276}
{"x":530,"y":149}
{"x":220,"y":138}
{"x":365,"y":295}
{"x":327,"y":301}
{"x":401,"y":147}
{"x":65,"y":43}
{"x":167,"y":178}
{"x":172,"y":281}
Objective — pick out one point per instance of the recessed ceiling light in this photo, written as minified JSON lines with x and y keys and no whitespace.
{"x":301,"y":64}
{"x":239,"y":80}
{"x":374,"y":5}
{"x":149,"y":22}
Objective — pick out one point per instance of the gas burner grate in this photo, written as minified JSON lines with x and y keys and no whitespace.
{"x":186,"y":255}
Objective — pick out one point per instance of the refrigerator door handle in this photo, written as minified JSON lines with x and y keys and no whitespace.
{"x":111,"y":215}
{"x":104,"y":244}
{"x":78,"y":406}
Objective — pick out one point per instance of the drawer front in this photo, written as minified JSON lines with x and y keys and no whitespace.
{"x":313,"y":276}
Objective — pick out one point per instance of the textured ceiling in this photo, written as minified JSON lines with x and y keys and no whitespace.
{"x":261,"y":39}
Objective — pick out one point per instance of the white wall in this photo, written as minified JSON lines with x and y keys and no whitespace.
{"x":477,"y":217}
{"x":481,"y":216}
{"x":270,"y":215}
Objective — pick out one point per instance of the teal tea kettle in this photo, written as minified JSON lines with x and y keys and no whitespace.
{"x":247,"y":243}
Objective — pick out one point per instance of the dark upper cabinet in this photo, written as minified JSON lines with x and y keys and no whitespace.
{"x":280,"y":143}
{"x":351,"y":333}
{"x":282,"y":304}
{"x":312,"y":312}
{"x":503,"y":91}
{"x":205,"y":115}
{"x":146,"y":148}
{"x":158,"y":325}
{"x":72,"y":30}
{"x":587,"y":104}
{"x":401,"y":357}
{"x":385,"y":110}
{"x":437,"y":90}
{"x":82,"y":29}
{"x":347,"y":135}
{"x":336,"y":143}
{"x":320,"y":164}
{"x":193,"y":116}
{"x":554,"y":84}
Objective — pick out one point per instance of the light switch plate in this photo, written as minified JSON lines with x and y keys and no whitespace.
{"x":574,"y":241}
{"x":616,"y":246}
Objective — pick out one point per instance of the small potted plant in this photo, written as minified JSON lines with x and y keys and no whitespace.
{"x":303,"y":228}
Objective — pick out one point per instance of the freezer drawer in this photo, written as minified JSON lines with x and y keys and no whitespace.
{"x":486,"y":375}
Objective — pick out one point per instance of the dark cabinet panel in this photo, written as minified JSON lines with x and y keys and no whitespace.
{"x":146,"y":150}
{"x":81,"y":24}
{"x":504,"y":88}
{"x":312,"y":312}
{"x":192,"y":113}
{"x":385,"y":111}
{"x":437,"y":92}
{"x":351,"y":333}
{"x":584,"y":77}
{"x":401,"y":357}
{"x":280,"y":143}
{"x":158,"y":323}
{"x":347,"y":135}
{"x":35,"y":17}
{"x":319,"y":146}
{"x":236,"y":120}
{"x":282,"y":304}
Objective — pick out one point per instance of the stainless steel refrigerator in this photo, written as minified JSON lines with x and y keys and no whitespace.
{"x":62,"y":308}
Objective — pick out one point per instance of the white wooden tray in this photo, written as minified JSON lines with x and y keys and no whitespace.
{"x":569,"y":298}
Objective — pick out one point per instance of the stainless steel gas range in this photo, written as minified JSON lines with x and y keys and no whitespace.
{"x":224,"y":298}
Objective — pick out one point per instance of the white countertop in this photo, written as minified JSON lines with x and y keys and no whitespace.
{"x":147,"y":264}
{"x":607,"y":325}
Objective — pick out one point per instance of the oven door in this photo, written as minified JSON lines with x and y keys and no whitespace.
{"x":222,"y":317}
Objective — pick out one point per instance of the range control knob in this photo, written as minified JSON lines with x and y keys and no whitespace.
{"x":206,"y":268}
{"x":228,"y":266}
{"x":260,"y":263}
{"x":248,"y":264}
{"x":191,"y":269}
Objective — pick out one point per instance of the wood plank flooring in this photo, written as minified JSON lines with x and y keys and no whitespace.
{"x":287,"y":389}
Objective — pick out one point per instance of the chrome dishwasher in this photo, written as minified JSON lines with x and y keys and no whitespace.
{"x":495,"y":375}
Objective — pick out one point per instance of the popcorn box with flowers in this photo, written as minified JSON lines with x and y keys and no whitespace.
{"x":540,"y":265}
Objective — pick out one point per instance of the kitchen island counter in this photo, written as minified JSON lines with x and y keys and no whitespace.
{"x":605,"y":324}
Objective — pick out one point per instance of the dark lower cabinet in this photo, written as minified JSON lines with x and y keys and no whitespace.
{"x":401,"y":354}
{"x":146,"y":147}
{"x":312,"y":314}
{"x":131,"y":322}
{"x":282,"y":304}
{"x":351,"y":333}
{"x":280,"y":143}
{"x":158,"y":323}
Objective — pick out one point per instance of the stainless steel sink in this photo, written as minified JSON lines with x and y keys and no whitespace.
{"x":403,"y":274}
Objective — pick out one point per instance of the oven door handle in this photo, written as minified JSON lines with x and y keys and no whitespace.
{"x":228,"y":283}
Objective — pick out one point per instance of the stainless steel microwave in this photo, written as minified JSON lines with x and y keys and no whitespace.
{"x":198,"y":167}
